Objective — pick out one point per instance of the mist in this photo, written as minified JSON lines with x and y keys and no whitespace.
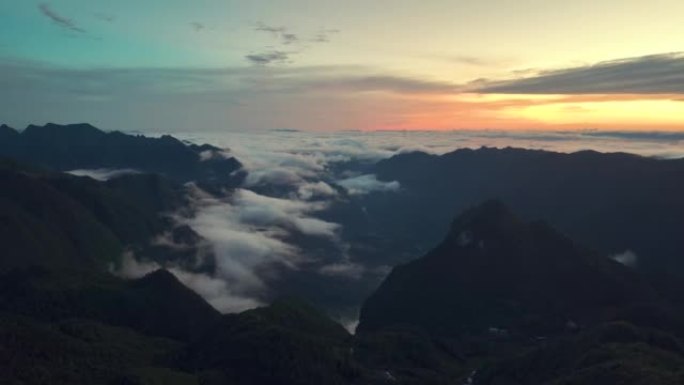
{"x":257,"y":231}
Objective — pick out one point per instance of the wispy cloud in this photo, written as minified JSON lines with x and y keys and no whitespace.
{"x":388,"y":83}
{"x":269,"y":57}
{"x":286,"y":37}
{"x":21,"y":75}
{"x":102,"y":174}
{"x":215,"y":290}
{"x":652,"y":74}
{"x":281,"y":33}
{"x":289,"y":38}
{"x":197,"y":26}
{"x":475,"y":61}
{"x":323,"y":36}
{"x":366,"y":184}
{"x":260,"y":26}
{"x":58,"y":19}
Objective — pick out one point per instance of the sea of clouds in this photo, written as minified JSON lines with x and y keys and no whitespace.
{"x":294,"y":176}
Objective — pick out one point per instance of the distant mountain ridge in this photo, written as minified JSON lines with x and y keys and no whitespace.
{"x":612,"y":202}
{"x":82,"y":146}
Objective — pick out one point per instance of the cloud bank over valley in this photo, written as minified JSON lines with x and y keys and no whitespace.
{"x":299,"y":215}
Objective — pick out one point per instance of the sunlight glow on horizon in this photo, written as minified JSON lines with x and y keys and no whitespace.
{"x":383,"y":65}
{"x":544,"y":112}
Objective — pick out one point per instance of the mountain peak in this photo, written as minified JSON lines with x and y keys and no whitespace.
{"x":486,"y":222}
{"x":75,"y":127}
{"x":158,"y":277}
{"x":7,"y":131}
{"x":495,"y":270}
{"x":59,"y":131}
{"x":489,"y":212}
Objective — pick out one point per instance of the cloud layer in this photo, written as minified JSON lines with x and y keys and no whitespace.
{"x":272,"y":226}
{"x":334,"y":97}
{"x":274,"y":230}
{"x":216,"y":291}
{"x":102,"y":174}
{"x":249,"y":234}
{"x":653,"y":74}
{"x":364,"y":184}
{"x":174,"y":99}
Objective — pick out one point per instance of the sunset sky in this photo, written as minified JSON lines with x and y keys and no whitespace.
{"x":179,"y":65}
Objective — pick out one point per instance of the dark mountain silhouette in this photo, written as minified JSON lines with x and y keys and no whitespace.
{"x":151,"y":192}
{"x":7,"y":133}
{"x":494,"y":271}
{"x":157,"y":304}
{"x":76,"y":326}
{"x":82,"y":146}
{"x":610,"y":202}
{"x":61,"y":221}
{"x":65,"y":319}
{"x":41,"y":225}
{"x":498,"y":287}
{"x":67,"y":327}
{"x":615,"y":353}
{"x":516,"y":302}
{"x":79,"y":351}
{"x":288,"y":342}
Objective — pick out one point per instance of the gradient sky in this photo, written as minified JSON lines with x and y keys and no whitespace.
{"x":178,"y":65}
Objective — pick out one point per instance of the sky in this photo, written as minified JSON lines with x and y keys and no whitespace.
{"x":220,"y":65}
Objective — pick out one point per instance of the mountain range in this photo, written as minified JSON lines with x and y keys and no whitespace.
{"x":82,"y":146}
{"x":504,"y":271}
{"x":612,"y":202}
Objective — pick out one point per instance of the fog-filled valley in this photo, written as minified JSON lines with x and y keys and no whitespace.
{"x":353,"y":257}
